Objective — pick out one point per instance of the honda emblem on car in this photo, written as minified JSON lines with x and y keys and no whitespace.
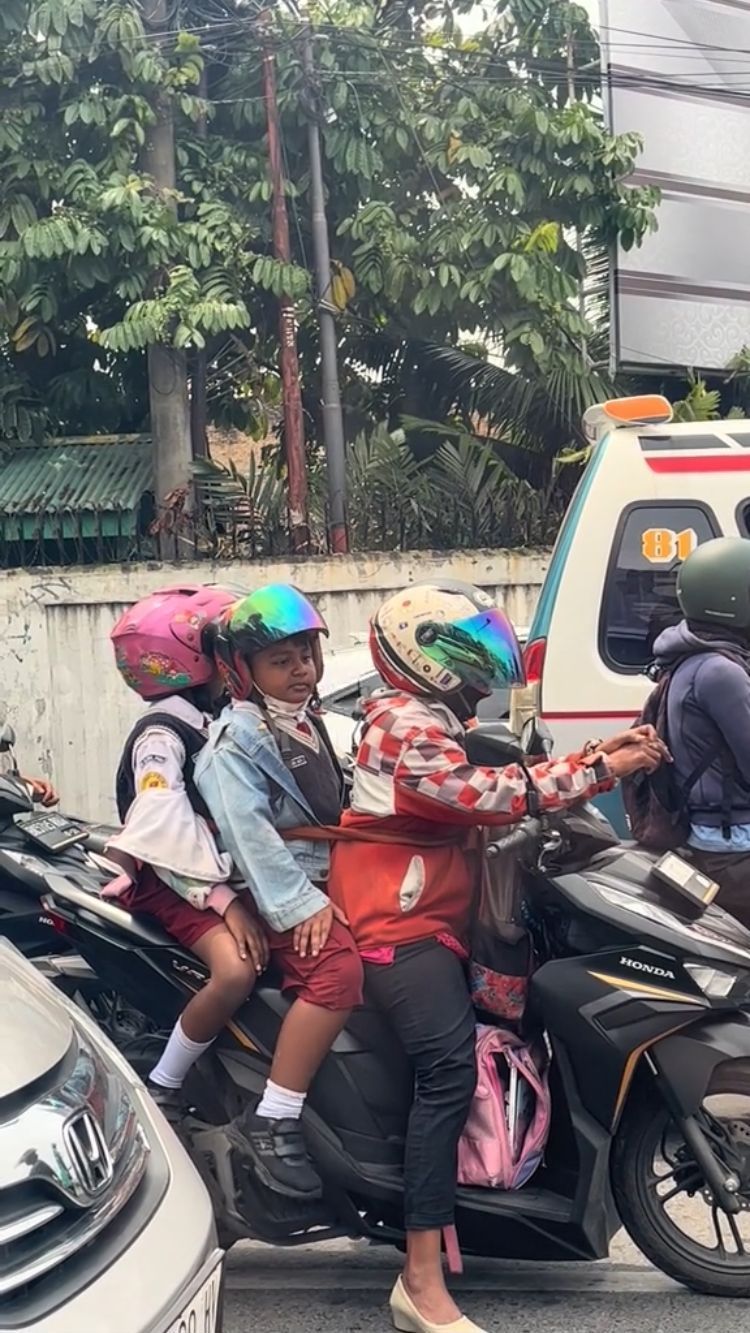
{"x":90,"y":1158}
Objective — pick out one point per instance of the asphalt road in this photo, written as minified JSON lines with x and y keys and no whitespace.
{"x":343,"y":1287}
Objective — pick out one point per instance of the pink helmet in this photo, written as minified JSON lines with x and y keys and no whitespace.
{"x":159,"y":645}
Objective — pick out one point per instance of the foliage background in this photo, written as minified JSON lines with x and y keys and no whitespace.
{"x":473,"y":193}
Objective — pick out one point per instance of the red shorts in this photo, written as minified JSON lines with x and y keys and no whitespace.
{"x":333,"y":980}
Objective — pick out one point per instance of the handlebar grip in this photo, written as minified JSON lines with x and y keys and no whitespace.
{"x":528,"y":831}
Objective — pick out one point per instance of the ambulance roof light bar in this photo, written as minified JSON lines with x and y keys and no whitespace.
{"x":648,"y":409}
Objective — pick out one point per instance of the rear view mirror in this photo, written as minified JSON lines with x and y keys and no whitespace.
{"x":15,"y":797}
{"x":493,"y":745}
{"x":7,"y":738}
{"x":536,"y":737}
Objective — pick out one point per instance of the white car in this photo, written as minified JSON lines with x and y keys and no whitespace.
{"x":105,"y":1225}
{"x":350,"y":676}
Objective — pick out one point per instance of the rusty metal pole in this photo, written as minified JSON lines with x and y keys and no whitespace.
{"x":294,"y":434}
{"x":333,"y":421}
{"x":199,"y":376}
{"x":167,"y":365}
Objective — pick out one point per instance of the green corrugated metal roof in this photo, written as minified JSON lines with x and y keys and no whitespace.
{"x":71,"y":489}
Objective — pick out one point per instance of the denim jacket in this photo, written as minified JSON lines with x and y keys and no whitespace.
{"x":251,"y":795}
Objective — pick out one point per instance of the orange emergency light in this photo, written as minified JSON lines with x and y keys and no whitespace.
{"x":647,"y":409}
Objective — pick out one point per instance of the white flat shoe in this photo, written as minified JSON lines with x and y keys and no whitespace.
{"x":407,"y":1319}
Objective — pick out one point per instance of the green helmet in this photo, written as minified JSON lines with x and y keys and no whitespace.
{"x":713,"y":585}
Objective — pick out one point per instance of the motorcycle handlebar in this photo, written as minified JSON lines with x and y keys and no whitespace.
{"x":529,"y":831}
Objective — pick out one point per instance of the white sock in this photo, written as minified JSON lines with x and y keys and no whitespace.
{"x":180,"y":1054}
{"x":281,"y":1103}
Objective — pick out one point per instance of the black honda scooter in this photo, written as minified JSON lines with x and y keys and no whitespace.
{"x":33,"y":842}
{"x":641,"y":992}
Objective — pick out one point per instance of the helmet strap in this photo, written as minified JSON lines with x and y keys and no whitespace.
{"x":236,"y":675}
{"x":464,"y":702}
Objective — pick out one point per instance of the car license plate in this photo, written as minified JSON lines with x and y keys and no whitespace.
{"x":202,"y":1314}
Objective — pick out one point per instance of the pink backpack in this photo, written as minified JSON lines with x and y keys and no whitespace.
{"x":503,"y":1140}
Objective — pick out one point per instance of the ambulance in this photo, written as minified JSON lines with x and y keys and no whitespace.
{"x":651,"y":492}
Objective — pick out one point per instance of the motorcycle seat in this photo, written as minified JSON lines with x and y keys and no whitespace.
{"x":144,"y":929}
{"x":141,"y":928}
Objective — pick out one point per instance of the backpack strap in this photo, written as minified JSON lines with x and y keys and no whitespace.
{"x":192,"y":740}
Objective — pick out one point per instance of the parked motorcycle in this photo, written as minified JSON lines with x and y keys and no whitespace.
{"x":641,"y":992}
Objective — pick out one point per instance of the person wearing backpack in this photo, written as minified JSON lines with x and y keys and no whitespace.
{"x":172,"y":867}
{"x":406,"y":878}
{"x":701,"y":710}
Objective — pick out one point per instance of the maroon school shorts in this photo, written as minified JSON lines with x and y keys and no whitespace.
{"x":333,"y":980}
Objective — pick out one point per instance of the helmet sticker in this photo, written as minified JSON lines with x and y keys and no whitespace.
{"x":164,"y":670}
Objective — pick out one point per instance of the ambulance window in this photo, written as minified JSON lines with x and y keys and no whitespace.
{"x":743,"y":518}
{"x":639,"y":595}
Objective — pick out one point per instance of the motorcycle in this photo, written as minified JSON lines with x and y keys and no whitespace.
{"x":32,"y":842}
{"x":640,"y":991}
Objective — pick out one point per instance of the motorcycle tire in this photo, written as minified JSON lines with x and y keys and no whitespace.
{"x":639,"y":1136}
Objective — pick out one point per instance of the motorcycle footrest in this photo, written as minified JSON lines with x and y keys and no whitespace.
{"x":246,"y":1203}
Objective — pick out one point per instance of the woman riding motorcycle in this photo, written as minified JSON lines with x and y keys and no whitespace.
{"x":440,"y":648}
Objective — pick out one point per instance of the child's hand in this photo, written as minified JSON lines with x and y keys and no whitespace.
{"x":310,"y":936}
{"x":249,"y":935}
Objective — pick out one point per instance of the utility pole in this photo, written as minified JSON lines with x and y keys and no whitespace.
{"x":333,"y":422}
{"x":570,"y":62}
{"x":167,"y":366}
{"x":294,"y":434}
{"x":199,"y":376}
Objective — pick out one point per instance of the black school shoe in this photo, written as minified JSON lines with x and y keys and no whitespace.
{"x":278,"y":1154}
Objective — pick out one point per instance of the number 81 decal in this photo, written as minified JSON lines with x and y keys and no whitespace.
{"x":662,"y":546}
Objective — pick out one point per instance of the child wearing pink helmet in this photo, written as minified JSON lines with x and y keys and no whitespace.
{"x":161,"y":651}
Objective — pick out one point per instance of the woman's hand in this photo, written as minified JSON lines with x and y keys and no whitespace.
{"x":631,"y":757}
{"x":633,"y":736}
{"x":42,"y":791}
{"x":248,"y":933}
{"x":311,"y":936}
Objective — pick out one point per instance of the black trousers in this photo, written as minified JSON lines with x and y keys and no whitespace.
{"x":426,"y":998}
{"x":731,"y":870}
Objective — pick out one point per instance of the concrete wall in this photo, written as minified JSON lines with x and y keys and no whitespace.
{"x":71,"y":711}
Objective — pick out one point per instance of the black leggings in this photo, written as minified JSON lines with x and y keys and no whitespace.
{"x":426,"y":998}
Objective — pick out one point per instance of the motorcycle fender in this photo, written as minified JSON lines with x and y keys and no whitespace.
{"x":687,"y":1060}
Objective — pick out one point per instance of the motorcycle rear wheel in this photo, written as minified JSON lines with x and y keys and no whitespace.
{"x":647,"y":1135}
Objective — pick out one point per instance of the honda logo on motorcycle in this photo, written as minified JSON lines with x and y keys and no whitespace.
{"x":90,"y":1158}
{"x":648,"y":968}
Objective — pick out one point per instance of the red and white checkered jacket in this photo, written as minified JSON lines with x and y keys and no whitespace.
{"x":412,"y":781}
{"x":411,"y":762}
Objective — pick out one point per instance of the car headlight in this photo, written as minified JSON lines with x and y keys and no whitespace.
{"x":713,"y":981}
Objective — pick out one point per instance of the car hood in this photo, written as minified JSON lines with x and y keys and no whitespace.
{"x":35,"y":1030}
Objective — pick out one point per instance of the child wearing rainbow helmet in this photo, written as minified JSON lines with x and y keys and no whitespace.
{"x":172,"y":867}
{"x":269,"y":768}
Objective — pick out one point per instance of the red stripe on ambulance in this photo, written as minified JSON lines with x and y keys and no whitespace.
{"x":690,"y":463}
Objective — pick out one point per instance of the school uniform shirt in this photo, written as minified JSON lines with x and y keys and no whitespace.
{"x":161,"y":827}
